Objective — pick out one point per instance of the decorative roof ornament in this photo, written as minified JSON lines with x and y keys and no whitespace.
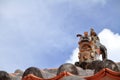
{"x":90,"y":48}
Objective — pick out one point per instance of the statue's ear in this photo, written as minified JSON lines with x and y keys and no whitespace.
{"x":79,"y":35}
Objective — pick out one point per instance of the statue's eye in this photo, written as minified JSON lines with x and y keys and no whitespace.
{"x":92,"y":55}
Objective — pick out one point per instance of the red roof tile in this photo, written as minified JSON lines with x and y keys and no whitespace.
{"x":32,"y":77}
{"x":105,"y":74}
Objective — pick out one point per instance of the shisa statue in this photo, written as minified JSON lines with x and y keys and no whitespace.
{"x":90,"y":48}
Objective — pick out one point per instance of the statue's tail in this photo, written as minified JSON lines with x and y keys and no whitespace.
{"x":103,"y":52}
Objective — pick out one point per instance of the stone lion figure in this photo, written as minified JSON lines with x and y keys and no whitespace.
{"x":90,"y":48}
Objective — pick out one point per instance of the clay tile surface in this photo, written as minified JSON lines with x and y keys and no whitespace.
{"x":58,"y":77}
{"x":105,"y":74}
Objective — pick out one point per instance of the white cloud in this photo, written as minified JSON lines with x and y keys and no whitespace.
{"x":73,"y":57}
{"x":108,"y":38}
{"x":112,"y":41}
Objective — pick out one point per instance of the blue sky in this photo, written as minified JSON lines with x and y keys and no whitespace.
{"x":42,"y":33}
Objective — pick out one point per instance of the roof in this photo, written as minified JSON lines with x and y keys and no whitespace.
{"x":104,"y":74}
{"x":61,"y":75}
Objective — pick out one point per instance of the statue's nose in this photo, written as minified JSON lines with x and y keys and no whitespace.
{"x":85,"y":58}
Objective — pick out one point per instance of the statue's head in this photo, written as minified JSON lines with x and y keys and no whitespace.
{"x":87,"y":49}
